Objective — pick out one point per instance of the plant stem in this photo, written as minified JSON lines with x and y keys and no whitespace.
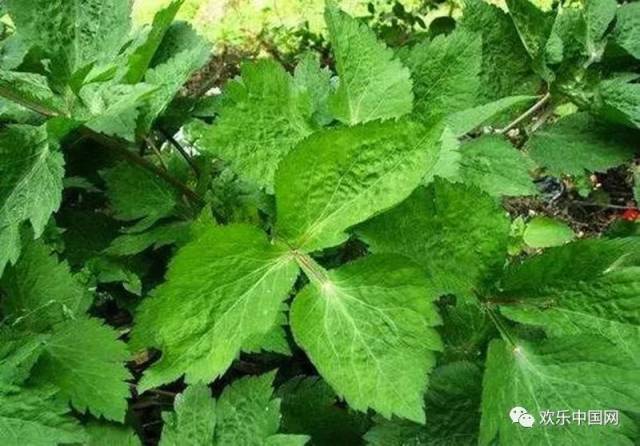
{"x":156,"y":152}
{"x":31,"y":105}
{"x":606,"y":206}
{"x":315,"y":272}
{"x":111,"y":143}
{"x":504,"y":332}
{"x":537,"y":106}
{"x":120,"y":148}
{"x":169,"y":137}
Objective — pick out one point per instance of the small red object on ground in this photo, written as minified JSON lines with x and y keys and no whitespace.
{"x":631,"y":214}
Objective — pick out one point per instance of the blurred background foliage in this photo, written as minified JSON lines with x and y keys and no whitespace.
{"x":288,"y":25}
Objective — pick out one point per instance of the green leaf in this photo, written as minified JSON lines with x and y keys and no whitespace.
{"x":447,"y":160}
{"x":618,"y":100}
{"x":275,"y":340}
{"x":255,"y":132}
{"x":627,"y":31}
{"x":30,"y":90}
{"x":85,"y":360}
{"x":39,"y":291}
{"x":636,"y":184}
{"x":18,"y":354}
{"x":367,"y":327}
{"x":31,"y":174}
{"x":585,"y":287}
{"x":181,"y":53}
{"x":427,"y":228}
{"x":193,"y":420}
{"x":579,"y":143}
{"x":464,"y":121}
{"x":373,"y":84}
{"x":535,"y":28}
{"x":113,"y":109}
{"x":245,"y":414}
{"x":465,"y":330}
{"x":545,"y":232}
{"x":105,"y":270}
{"x":314,"y":81}
{"x":493,"y":165}
{"x":506,"y":69}
{"x":248,"y":414}
{"x":138,"y":195}
{"x":36,"y":417}
{"x":569,"y":373}
{"x":451,"y":405}
{"x":72,"y":34}
{"x":446,"y":74}
{"x":13,"y":50}
{"x":337,"y":178}
{"x":140,"y":58}
{"x":154,"y":238}
{"x":309,"y":406}
{"x":85,"y":234}
{"x":103,"y":434}
{"x":598,"y":14}
{"x":236,"y":281}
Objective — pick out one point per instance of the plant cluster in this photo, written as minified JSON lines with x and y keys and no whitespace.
{"x":315,"y":256}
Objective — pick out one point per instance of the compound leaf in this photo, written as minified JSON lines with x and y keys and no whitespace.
{"x":30,"y":90}
{"x":310,"y":406}
{"x":506,"y":69}
{"x":249,"y":414}
{"x":141,"y":57}
{"x":181,"y":53}
{"x":103,"y":434}
{"x":154,"y":238}
{"x":618,"y":100}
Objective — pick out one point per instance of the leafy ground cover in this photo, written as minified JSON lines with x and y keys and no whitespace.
{"x":378,"y":241}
